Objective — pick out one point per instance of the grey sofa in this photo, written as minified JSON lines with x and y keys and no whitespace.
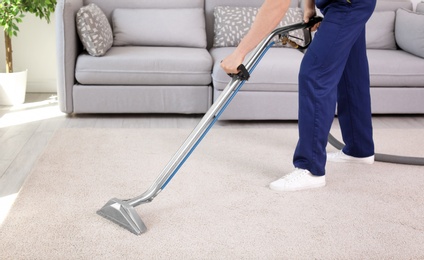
{"x":156,"y":77}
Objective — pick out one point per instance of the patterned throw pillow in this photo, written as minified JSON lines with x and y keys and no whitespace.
{"x":232,"y":23}
{"x":94,"y":30}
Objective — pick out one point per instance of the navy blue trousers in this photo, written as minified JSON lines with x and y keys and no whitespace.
{"x":334,"y":73}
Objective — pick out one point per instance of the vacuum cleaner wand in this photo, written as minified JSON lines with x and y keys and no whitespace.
{"x":122,"y":212}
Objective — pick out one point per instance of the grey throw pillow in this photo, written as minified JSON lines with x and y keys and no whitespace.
{"x":380,"y":31}
{"x":94,"y":30}
{"x":232,"y":23}
{"x":420,"y":7}
{"x":180,"y":27}
{"x":409,"y":31}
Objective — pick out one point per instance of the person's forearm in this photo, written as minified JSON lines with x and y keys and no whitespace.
{"x":267,"y":19}
{"x":309,"y":11}
{"x":309,"y":4}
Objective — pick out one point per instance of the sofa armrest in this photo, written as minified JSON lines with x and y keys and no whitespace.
{"x":68,"y":48}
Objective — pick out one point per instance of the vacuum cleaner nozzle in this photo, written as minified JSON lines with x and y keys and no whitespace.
{"x":123,"y":214}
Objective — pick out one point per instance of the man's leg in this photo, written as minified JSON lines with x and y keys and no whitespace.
{"x":354,"y":103}
{"x":320,"y":73}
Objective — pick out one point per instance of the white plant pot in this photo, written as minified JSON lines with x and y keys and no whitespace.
{"x":13,"y":88}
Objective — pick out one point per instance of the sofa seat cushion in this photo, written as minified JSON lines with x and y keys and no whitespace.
{"x":136,"y":65}
{"x":395,"y":68}
{"x":277,"y":71}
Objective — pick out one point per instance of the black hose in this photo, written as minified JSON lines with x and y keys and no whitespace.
{"x":380,"y":157}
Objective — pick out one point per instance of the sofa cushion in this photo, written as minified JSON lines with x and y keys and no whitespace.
{"x":94,"y":30}
{"x":210,"y":7}
{"x":380,"y":31}
{"x":420,"y":7}
{"x":392,"y":5}
{"x":395,"y":68}
{"x":183,"y":27}
{"x":277,"y":71}
{"x":108,"y":6}
{"x":410,"y":31}
{"x":233,"y":22}
{"x":136,"y":65}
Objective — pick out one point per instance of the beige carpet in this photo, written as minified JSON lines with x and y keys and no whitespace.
{"x":218,"y":206}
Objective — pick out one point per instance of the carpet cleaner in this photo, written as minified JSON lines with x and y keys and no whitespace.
{"x":122,"y":212}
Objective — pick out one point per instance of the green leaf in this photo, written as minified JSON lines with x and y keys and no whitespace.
{"x":12,"y":12}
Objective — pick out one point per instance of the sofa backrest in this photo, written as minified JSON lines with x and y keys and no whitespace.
{"x":392,"y":5}
{"x":380,"y":28}
{"x":108,"y":6}
{"x":420,"y":7}
{"x":155,"y":22}
{"x":211,"y":4}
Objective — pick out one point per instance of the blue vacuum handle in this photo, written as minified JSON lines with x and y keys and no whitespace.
{"x":313,"y":20}
{"x":244,"y":74}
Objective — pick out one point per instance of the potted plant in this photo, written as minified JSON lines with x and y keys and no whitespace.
{"x":11,"y":13}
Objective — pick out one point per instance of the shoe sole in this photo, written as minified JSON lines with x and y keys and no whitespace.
{"x":352,"y":160}
{"x":344,"y":158}
{"x":297,"y":189}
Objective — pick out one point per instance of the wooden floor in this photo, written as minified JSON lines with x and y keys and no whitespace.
{"x":25,"y":131}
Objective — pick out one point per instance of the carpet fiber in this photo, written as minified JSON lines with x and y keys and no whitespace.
{"x":218,"y":206}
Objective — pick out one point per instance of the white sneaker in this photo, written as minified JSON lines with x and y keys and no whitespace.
{"x":340,"y":156}
{"x":299,"y":179}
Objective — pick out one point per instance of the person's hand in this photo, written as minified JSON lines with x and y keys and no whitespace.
{"x":230,"y":63}
{"x":308,"y":13}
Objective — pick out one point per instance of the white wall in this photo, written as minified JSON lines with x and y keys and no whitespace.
{"x":34,"y":49}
